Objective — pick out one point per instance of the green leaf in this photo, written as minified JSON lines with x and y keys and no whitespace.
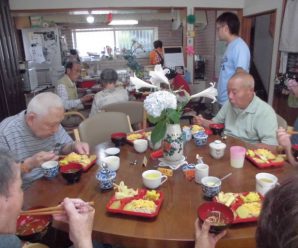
{"x":174,"y":116}
{"x":154,"y":120}
{"x":159,"y":131}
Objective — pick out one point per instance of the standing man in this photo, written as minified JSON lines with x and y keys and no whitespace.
{"x":66,"y":87}
{"x":156,"y":55}
{"x":236,"y":56}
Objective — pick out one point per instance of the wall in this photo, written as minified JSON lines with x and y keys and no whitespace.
{"x":205,"y":44}
{"x":253,"y":7}
{"x":263,"y":43}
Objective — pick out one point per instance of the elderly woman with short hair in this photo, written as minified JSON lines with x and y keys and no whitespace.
{"x":110,"y":93}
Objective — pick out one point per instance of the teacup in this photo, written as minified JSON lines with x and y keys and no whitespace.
{"x":201,"y":171}
{"x":113,"y":162}
{"x":50,"y":168}
{"x":210,"y":186}
{"x":265,"y":182}
{"x":152,"y":179}
{"x":140,"y":145}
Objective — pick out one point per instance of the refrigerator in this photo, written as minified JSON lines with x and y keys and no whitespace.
{"x":42,"y":48}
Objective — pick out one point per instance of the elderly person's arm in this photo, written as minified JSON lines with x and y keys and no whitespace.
{"x":77,"y":146}
{"x":284,"y":140}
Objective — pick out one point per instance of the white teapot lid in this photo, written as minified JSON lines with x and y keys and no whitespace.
{"x":217,"y":144}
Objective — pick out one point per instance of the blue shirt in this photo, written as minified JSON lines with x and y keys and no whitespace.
{"x":236,"y":55}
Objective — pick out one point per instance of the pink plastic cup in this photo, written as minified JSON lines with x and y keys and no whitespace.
{"x":237,"y":154}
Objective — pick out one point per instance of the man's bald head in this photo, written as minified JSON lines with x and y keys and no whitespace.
{"x":241,"y":89}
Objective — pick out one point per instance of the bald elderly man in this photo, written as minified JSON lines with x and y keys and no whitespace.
{"x":34,"y":134}
{"x":245,"y":115}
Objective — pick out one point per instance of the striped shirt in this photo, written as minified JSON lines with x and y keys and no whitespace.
{"x":17,"y":138}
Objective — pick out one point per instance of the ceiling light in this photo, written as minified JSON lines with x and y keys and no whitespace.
{"x":90,"y":19}
{"x":124,"y":22}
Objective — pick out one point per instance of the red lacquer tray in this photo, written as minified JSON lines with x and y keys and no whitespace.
{"x":237,"y":203}
{"x":85,"y":167}
{"x":264,"y":165}
{"x":123,"y":202}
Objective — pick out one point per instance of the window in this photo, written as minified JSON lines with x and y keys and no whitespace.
{"x":95,"y":41}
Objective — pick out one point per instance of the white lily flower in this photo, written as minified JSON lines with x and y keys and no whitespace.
{"x":210,"y":92}
{"x":138,"y":83}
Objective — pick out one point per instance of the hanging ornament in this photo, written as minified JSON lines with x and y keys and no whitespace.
{"x":190,"y":50}
{"x":109,"y":17}
{"x":191,"y":19}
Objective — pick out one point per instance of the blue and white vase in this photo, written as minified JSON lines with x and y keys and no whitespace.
{"x":173,"y":143}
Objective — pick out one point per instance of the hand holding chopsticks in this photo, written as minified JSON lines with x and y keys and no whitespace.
{"x":291,"y":132}
{"x":59,"y":209}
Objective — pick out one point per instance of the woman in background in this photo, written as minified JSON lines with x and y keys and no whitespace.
{"x":110,"y":93}
{"x":156,"y":55}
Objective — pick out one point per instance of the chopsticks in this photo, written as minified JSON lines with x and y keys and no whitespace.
{"x":48,"y":211}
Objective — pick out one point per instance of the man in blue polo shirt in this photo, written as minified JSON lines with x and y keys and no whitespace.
{"x":236,"y":56}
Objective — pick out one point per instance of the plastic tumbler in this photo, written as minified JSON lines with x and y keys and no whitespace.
{"x":237,"y":154}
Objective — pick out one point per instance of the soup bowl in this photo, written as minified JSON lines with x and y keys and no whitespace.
{"x":71,"y":172}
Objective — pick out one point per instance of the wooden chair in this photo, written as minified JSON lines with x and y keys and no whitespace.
{"x":281,"y":122}
{"x":98,"y":128}
{"x":134,"y":109}
{"x":70,"y":128}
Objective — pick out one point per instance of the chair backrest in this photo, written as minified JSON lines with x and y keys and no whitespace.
{"x":72,"y":120}
{"x":134,"y":109}
{"x":281,"y":122}
{"x":99,"y":127}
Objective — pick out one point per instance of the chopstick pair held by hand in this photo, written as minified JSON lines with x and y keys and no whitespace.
{"x":54,"y":210}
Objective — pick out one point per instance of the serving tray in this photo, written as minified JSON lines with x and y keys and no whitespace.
{"x":141,"y":195}
{"x":236,"y":204}
{"x":85,"y":167}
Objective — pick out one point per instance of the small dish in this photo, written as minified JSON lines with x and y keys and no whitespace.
{"x":71,"y":172}
{"x":218,"y":214}
{"x":210,"y":186}
{"x":112,"y":151}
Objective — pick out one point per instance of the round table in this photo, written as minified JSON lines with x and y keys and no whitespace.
{"x":174,"y":225}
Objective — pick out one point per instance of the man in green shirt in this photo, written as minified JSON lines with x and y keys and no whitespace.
{"x":245,"y":115}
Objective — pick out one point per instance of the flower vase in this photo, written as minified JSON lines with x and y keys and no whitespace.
{"x":173,"y":143}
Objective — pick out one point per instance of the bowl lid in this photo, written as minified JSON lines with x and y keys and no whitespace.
{"x":217,"y":144}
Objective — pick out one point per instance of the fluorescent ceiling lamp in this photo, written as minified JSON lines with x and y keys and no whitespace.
{"x":124,"y":22}
{"x":90,"y":19}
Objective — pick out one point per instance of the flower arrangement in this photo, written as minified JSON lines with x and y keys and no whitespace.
{"x":129,"y":55}
{"x":162,"y":108}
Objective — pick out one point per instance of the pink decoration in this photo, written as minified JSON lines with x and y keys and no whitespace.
{"x":190,"y":50}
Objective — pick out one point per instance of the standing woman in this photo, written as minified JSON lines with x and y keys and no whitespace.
{"x":110,"y":93}
{"x":156,"y":55}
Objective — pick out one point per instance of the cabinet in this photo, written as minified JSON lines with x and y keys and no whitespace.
{"x":12,"y":99}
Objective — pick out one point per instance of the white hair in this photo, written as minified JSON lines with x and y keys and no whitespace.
{"x":43,"y":102}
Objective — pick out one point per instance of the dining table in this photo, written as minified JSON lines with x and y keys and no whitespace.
{"x":174,"y":225}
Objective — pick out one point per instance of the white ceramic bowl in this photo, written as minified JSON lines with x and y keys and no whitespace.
{"x":112,"y":151}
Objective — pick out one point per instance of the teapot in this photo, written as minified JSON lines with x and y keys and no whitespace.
{"x":105,"y":177}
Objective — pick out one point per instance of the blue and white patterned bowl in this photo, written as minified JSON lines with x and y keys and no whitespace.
{"x":211,"y":186}
{"x":50,"y":169}
{"x":201,"y":138}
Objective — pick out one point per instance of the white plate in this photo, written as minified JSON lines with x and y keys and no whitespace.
{"x":172,"y":164}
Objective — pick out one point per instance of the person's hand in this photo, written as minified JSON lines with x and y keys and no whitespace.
{"x":37,"y":159}
{"x":204,"y":239}
{"x":200,"y":120}
{"x":87,"y":98}
{"x":81,"y":147}
{"x":283,"y":138}
{"x":79,"y":215}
